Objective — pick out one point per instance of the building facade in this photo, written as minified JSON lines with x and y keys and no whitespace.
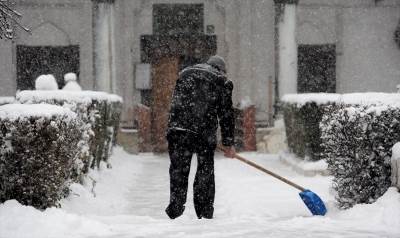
{"x":118,"y":45}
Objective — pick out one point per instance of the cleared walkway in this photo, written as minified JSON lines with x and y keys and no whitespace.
{"x":129,"y":201}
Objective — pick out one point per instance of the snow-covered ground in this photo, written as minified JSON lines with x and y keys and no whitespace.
{"x":129,"y":201}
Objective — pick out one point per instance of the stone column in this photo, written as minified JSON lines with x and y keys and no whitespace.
{"x":104,"y":45}
{"x":287,"y":47}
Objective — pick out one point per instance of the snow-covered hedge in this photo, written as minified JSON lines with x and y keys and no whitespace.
{"x":357,"y":142}
{"x":302,"y":115}
{"x":353,"y":132}
{"x":39,"y":150}
{"x":99,"y":111}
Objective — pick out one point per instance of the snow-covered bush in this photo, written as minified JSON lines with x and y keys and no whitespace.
{"x":46,"y":82}
{"x":39,"y":145}
{"x":357,"y":142}
{"x":95,"y":109}
{"x":114,"y":111}
{"x":302,"y":115}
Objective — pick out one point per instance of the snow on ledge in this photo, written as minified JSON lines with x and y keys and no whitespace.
{"x":304,"y":167}
{"x":367,"y":98}
{"x":6,"y":100}
{"x":17,"y":111}
{"x":318,"y":98}
{"x":33,"y":96}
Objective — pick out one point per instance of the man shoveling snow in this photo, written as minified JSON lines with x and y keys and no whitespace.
{"x":202,"y":97}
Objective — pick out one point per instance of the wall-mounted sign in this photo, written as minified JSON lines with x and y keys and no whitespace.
{"x":143,"y":76}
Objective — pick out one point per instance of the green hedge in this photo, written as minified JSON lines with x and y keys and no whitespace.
{"x":302,"y":129}
{"x":354,"y":133}
{"x":40,"y":148}
{"x":357,"y":142}
{"x":98,"y":110}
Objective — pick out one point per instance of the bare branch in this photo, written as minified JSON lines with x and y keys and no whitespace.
{"x":9,"y":18}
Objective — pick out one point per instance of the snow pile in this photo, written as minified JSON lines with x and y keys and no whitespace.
{"x":72,"y":86}
{"x":25,"y":221}
{"x":71,"y":83}
{"x":6,"y":100}
{"x":304,"y":167}
{"x":46,"y":82}
{"x":275,"y":139}
{"x":68,"y":77}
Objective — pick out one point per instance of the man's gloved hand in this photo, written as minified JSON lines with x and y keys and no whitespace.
{"x":229,"y":152}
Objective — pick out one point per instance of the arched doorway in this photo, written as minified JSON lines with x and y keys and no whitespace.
{"x":174,"y":45}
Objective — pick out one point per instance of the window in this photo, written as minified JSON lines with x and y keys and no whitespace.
{"x":172,"y":19}
{"x":316,"y":68}
{"x":33,"y":61}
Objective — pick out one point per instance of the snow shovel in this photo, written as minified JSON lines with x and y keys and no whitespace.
{"x":313,"y":202}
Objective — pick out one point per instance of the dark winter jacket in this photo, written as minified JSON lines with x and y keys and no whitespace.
{"x":202,"y":96}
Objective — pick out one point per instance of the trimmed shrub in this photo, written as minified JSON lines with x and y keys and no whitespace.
{"x":114,"y":110}
{"x":302,"y":115}
{"x":357,"y":142}
{"x":39,"y":148}
{"x":95,"y":109}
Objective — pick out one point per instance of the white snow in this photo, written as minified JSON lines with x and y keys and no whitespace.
{"x":369,"y":98}
{"x":274,"y":141}
{"x":245,"y":103}
{"x":131,"y":198}
{"x":72,"y":86}
{"x":70,"y":82}
{"x":16,"y":111}
{"x":6,"y":100}
{"x":304,"y":166}
{"x":29,"y":96}
{"x":318,"y":98}
{"x":68,"y":77}
{"x":46,"y":82}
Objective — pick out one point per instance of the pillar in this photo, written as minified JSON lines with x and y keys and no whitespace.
{"x":287,"y":47}
{"x":104,"y":45}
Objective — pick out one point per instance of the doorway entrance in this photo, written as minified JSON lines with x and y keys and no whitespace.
{"x":175,"y":44}
{"x":33,"y":61}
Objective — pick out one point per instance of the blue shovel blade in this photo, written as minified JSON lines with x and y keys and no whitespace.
{"x":313,"y":202}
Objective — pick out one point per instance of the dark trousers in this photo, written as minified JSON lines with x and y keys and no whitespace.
{"x":181,"y":146}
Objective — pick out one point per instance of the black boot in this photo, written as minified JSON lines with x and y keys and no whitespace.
{"x":174,"y":211}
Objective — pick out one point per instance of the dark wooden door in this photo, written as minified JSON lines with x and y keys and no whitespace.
{"x":316,"y":68}
{"x":165,"y":74}
{"x":33,"y":61}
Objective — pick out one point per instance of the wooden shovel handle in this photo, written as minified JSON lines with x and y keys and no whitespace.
{"x":265,"y":170}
